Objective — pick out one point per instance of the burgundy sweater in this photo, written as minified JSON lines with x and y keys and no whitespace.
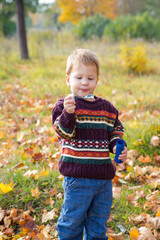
{"x":87,"y":137}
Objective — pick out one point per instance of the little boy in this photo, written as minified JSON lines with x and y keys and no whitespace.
{"x":88,"y":128}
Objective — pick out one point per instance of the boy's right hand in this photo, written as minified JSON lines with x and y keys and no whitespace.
{"x":69,"y":104}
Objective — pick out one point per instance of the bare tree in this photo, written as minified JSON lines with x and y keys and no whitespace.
{"x":21,"y":29}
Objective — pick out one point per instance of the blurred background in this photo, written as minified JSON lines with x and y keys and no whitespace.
{"x":81,"y":19}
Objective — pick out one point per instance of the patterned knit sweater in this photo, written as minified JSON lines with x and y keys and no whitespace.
{"x":87,"y":137}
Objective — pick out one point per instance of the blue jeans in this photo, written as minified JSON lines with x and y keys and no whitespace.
{"x":86,"y":207}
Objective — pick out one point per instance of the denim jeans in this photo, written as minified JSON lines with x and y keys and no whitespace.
{"x":86,"y":208}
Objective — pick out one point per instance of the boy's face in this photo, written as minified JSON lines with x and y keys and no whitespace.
{"x":82,"y":80}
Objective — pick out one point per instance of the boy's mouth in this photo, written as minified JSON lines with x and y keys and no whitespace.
{"x":84,"y":90}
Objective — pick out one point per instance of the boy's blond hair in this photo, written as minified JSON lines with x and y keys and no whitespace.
{"x":84,"y":56}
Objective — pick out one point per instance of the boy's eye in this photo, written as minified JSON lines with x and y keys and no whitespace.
{"x":90,"y":78}
{"x":79,"y":78}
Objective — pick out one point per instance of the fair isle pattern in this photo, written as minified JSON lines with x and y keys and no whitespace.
{"x":61,"y":132}
{"x":85,"y":154}
{"x":117,"y":133}
{"x":84,"y":112}
{"x":85,"y":149}
{"x":95,"y":119}
{"x":85,"y":144}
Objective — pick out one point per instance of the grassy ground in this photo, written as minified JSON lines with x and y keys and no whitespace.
{"x":28,"y":92}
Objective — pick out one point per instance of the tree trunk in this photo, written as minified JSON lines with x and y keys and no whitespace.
{"x":21,"y":29}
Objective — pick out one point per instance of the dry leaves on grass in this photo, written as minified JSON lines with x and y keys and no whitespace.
{"x":146,"y":226}
{"x":31,"y":136}
{"x":9,"y":219}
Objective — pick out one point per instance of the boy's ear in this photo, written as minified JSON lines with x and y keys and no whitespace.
{"x":67,"y":80}
{"x":97,"y":79}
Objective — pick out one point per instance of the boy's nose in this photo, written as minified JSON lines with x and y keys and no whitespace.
{"x":84,"y":82}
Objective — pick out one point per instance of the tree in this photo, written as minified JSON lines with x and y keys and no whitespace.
{"x":21,"y":29}
{"x":50,"y":17}
{"x":74,"y":10}
{"x":8,"y":8}
{"x":131,"y":6}
{"x":153,"y":7}
{"x":6,"y":12}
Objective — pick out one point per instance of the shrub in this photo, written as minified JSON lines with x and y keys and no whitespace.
{"x":91,"y":26}
{"x":144,"y":26}
{"x":9,"y":28}
{"x":134,"y":58}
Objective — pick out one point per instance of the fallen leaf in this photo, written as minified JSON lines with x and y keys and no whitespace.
{"x":7,"y":221}
{"x":60,"y":195}
{"x":115,"y":179}
{"x":44,"y":172}
{"x":142,"y":218}
{"x":155,"y":141}
{"x":145,"y":159}
{"x":50,"y":202}
{"x":2,"y":135}
{"x":9,"y":232}
{"x":132,"y":154}
{"x":158,"y":213}
{"x":154,"y":222}
{"x":28,"y":223}
{"x":18,"y":166}
{"x":157,"y":159}
{"x":37,"y":157}
{"x":116,"y":236}
{"x":2,"y":214}
{"x":30,"y":173}
{"x":116,"y":192}
{"x":152,"y":196}
{"x":146,"y":234}
{"x":134,"y":234}
{"x":46,"y":216}
{"x":35,"y":192}
{"x":5,"y":188}
{"x":46,"y":231}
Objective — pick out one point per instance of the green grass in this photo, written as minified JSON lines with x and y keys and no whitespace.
{"x":29,"y":89}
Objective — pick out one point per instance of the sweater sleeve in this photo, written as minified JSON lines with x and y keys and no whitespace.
{"x":116,"y":133}
{"x":63,"y":122}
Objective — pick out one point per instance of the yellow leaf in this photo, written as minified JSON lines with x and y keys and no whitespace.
{"x":134,"y":234}
{"x":44,"y":172}
{"x":129,"y":169}
{"x":110,"y":238}
{"x":36,"y":176}
{"x":35,"y":192}
{"x":158,"y":213}
{"x":2,"y":135}
{"x":5,"y":188}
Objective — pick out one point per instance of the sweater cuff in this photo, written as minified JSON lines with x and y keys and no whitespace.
{"x":67,"y":119}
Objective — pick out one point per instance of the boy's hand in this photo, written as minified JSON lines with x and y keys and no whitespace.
{"x":69,"y":104}
{"x":123,"y":156}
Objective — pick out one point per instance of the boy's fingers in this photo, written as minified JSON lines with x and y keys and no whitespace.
{"x":125,"y":150}
{"x":114,"y":149}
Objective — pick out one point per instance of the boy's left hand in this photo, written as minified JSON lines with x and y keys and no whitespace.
{"x":123,"y":155}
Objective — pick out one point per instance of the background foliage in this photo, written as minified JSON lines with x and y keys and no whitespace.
{"x":91,"y":26}
{"x":144,"y":26}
